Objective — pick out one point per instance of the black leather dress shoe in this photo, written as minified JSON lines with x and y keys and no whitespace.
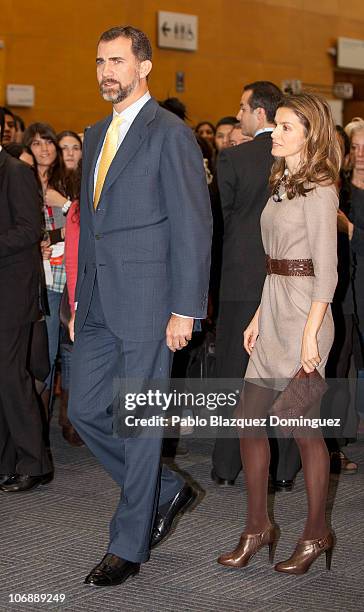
{"x":23,"y":482}
{"x":165,"y":518}
{"x":112,"y":571}
{"x":4,"y":478}
{"x":222,"y":482}
{"x":282,"y":485}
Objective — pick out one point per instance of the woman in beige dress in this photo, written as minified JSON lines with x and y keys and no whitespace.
{"x":293,"y":325}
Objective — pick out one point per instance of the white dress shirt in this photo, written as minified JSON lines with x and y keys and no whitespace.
{"x":262,"y":130}
{"x":128,"y":115}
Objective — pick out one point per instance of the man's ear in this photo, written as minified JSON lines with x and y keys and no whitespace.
{"x":261,"y":115}
{"x":145,"y":68}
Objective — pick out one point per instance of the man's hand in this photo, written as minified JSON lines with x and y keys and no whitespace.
{"x":178,"y":332}
{"x":344,"y":225}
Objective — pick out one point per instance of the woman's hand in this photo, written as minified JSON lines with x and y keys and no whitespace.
{"x":54,"y":198}
{"x":344,"y":225}
{"x":310,"y":357}
{"x":251,"y":333}
{"x":46,"y":249}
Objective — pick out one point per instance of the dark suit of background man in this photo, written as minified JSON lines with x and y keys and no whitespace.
{"x":243,"y":173}
{"x":24,"y":463}
{"x":144,"y":254}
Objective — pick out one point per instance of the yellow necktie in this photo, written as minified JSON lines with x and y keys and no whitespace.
{"x":108,"y":154}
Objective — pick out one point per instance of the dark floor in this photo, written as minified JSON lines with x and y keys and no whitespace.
{"x":52,"y":536}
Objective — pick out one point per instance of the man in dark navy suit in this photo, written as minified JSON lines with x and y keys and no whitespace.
{"x":143,"y":271}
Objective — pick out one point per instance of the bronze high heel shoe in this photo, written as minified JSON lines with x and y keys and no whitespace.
{"x":248,"y":545}
{"x":306,"y":553}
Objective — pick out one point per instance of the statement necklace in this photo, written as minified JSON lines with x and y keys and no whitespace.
{"x":280,"y":191}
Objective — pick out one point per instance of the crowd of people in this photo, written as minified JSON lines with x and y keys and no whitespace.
{"x":47,"y":239}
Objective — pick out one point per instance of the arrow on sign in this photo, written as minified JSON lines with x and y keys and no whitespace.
{"x":165,"y":29}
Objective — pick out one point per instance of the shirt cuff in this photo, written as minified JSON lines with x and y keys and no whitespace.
{"x":183,"y":316}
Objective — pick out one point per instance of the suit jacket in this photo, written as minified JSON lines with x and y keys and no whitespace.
{"x":20,"y":233}
{"x":149,"y":239}
{"x":243,"y":174}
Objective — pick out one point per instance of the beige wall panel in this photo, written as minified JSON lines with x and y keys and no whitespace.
{"x":328,"y":7}
{"x":297,"y":4}
{"x":319,"y":36}
{"x":243,"y":39}
{"x":53,"y":46}
{"x":351,"y":28}
{"x":278,"y":72}
{"x":224,"y":90}
{"x":281,"y":36}
{"x":352,"y":9}
{"x":7,"y":17}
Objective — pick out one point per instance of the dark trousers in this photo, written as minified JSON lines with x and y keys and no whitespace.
{"x":336,"y":402}
{"x":98,"y":360}
{"x":231,"y":362}
{"x":22,"y":449}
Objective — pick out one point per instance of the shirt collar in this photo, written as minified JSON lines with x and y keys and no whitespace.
{"x":267,"y":129}
{"x":129,"y":113}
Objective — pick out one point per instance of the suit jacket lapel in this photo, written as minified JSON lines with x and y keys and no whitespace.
{"x":133,"y":140}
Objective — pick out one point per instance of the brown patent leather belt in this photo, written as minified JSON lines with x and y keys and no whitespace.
{"x":289,"y":267}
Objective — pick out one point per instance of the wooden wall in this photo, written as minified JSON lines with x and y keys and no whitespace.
{"x":52,"y":45}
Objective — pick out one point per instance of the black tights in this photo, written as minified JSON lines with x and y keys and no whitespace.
{"x":255,"y":457}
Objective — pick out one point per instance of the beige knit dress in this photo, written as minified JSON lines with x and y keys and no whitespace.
{"x":301,"y":228}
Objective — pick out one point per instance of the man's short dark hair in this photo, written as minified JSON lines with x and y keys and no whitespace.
{"x":229,"y":120}
{"x":264,"y":95}
{"x":140,"y":43}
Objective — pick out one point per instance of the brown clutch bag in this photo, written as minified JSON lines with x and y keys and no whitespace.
{"x":302,"y":392}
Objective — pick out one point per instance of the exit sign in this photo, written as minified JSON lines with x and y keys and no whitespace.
{"x":177,"y":31}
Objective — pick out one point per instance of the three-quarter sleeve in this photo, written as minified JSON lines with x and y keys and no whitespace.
{"x":71,"y":251}
{"x":320,"y":209}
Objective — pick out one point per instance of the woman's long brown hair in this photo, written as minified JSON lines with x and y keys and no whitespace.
{"x":321,"y":154}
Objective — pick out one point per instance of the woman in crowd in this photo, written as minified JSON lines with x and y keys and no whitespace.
{"x":71,"y":146}
{"x":337,"y":401}
{"x":57,"y":189}
{"x":353,"y":226}
{"x":293,"y":326}
{"x":71,"y":251}
{"x":207,"y":131}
